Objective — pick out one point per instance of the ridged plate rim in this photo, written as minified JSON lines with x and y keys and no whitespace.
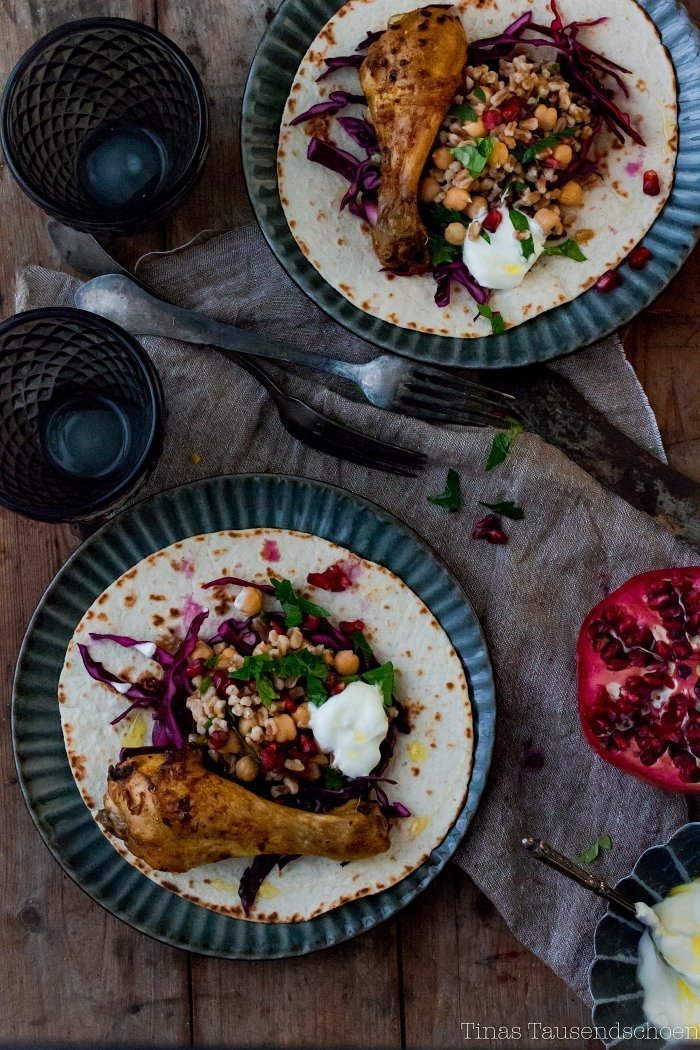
{"x":637,"y":886}
{"x":210,"y":505}
{"x":569,"y":327}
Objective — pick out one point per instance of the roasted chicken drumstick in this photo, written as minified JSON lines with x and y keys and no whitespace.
{"x":175,"y":815}
{"x":409,"y":78}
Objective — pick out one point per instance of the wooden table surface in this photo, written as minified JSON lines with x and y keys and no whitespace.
{"x":72,"y":971}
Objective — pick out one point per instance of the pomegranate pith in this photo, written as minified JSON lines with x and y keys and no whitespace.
{"x":639,"y":678}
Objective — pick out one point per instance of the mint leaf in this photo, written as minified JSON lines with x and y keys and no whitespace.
{"x":548,"y":142}
{"x":474,"y":158}
{"x":295,"y":605}
{"x":442,"y":252}
{"x":383,"y":677}
{"x":592,"y":852}
{"x":463,"y":112}
{"x":502,"y":443}
{"x":508,"y":509}
{"x":439,"y":216}
{"x":451,"y":498}
{"x":498,"y":325}
{"x":332,"y":778}
{"x":479,"y":93}
{"x":569,"y":248}
{"x":521,"y":224}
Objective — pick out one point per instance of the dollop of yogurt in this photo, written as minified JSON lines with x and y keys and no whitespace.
{"x":352,"y":725}
{"x":669,"y":958}
{"x":499,"y":262}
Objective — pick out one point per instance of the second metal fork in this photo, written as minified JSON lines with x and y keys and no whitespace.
{"x":389,"y":382}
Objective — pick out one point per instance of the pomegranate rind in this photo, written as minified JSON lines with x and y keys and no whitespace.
{"x":628,"y":605}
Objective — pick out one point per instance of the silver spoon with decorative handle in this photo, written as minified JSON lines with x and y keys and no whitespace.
{"x":549,"y":856}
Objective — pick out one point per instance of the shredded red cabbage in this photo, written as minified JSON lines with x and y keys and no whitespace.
{"x":132,"y":752}
{"x":336,"y":101}
{"x":256,"y":873}
{"x":341,"y":62}
{"x":361,"y":132}
{"x":457,"y":271}
{"x":161,"y":656}
{"x":239,"y":633}
{"x":266,"y":588}
{"x":369,"y":39}
{"x":582,"y":67}
{"x":99,"y":672}
{"x":360,"y":197}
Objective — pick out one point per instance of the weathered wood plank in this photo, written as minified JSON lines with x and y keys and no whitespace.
{"x":461,"y":965}
{"x":71,"y":971}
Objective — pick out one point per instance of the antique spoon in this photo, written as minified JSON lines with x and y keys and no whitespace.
{"x":549,"y":856}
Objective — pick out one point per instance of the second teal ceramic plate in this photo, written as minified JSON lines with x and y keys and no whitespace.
{"x":588,"y":318}
{"x":238,"y":502}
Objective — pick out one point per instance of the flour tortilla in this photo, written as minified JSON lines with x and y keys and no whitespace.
{"x":157,"y":599}
{"x":338,"y":245}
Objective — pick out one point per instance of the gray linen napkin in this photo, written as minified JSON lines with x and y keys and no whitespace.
{"x":577,"y":542}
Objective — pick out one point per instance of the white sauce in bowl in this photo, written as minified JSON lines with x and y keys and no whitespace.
{"x":669,"y":958}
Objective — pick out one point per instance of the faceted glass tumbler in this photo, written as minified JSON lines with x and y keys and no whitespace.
{"x":104,"y":124}
{"x":74,"y":389}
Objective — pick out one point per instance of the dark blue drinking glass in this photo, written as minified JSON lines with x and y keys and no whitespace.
{"x":104,"y":124}
{"x":81,"y":413}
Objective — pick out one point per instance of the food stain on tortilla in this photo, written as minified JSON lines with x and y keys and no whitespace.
{"x":416,"y":826}
{"x":267,"y":891}
{"x":225,"y":885}
{"x":417,"y":752}
{"x":136,"y":732}
{"x":190,"y":609}
{"x":270,"y":551}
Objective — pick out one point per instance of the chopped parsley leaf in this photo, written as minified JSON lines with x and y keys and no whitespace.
{"x":484,"y":234}
{"x":295,"y":605}
{"x":463,"y":112}
{"x":521,"y":224}
{"x":498,"y":325}
{"x":479,"y":93}
{"x":507,"y":508}
{"x":263,"y":669}
{"x":528,"y":154}
{"x":592,"y":852}
{"x":570,"y":249}
{"x":451,"y":498}
{"x":474,"y":158}
{"x":442,"y":252}
{"x":502,"y":442}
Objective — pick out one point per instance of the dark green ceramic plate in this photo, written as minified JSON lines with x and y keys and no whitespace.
{"x":576,"y":324}
{"x":616,"y":992}
{"x":239,"y":502}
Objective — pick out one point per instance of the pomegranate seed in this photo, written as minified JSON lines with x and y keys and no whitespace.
{"x":639,"y":257}
{"x":552,"y":162}
{"x":610,"y":280}
{"x":493,"y":220}
{"x":489,"y":529}
{"x":308,"y":744}
{"x":271,"y":758}
{"x":350,"y":626}
{"x":336,"y":687}
{"x":651,"y":184}
{"x":312,"y":623}
{"x":218,"y":739}
{"x":492,"y":118}
{"x":220,"y":681}
{"x":289,"y":705}
{"x":195,"y":668}
{"x":511,"y":109}
{"x":334,"y":578}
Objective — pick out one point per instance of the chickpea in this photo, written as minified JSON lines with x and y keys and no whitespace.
{"x":429,"y":189}
{"x":246,"y":768}
{"x":547,"y":220}
{"x":286,"y":730}
{"x":456,"y":199}
{"x":455,"y":233}
{"x":499,"y":155}
{"x":249,"y":601}
{"x":226,"y":657}
{"x":477,"y":207}
{"x":302,"y":716}
{"x":571,"y":194}
{"x":202,"y":651}
{"x":232,"y":746}
{"x":347,"y":662}
{"x":564,"y":154}
{"x":246,"y":723}
{"x":475,"y":129}
{"x":546,"y":116}
{"x":442,"y":158}
{"x":328,"y":657}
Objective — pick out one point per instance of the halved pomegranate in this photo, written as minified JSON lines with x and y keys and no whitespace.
{"x":639,"y":678}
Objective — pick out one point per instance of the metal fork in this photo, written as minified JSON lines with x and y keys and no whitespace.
{"x":389,"y":382}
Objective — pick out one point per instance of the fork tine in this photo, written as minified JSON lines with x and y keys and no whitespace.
{"x":444,"y":400}
{"x":452,"y":375}
{"x":460,"y":388}
{"x":466,"y":419}
{"x":445,"y":408}
{"x":348,"y":444}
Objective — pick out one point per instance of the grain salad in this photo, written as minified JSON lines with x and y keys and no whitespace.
{"x":517,"y":136}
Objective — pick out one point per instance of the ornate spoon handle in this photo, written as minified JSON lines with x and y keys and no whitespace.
{"x":584,"y":878}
